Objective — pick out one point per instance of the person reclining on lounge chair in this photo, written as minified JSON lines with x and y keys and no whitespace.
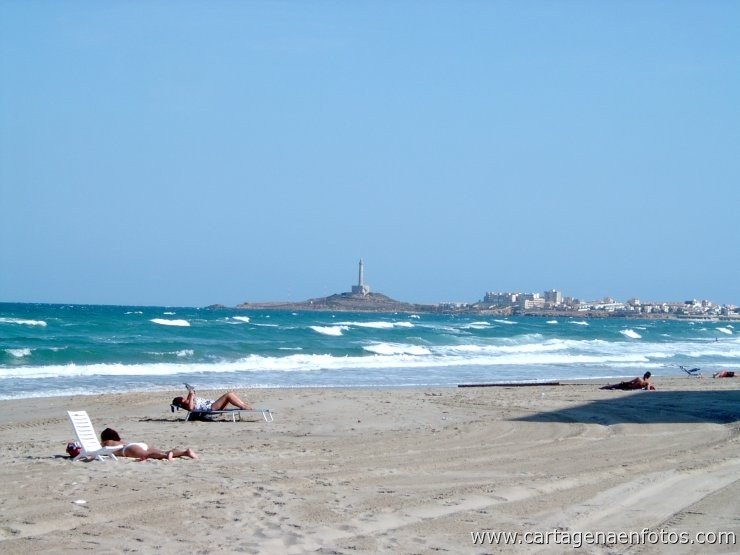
{"x":724,"y":374}
{"x":199,"y":404}
{"x":137,"y":450}
{"x":637,"y":383}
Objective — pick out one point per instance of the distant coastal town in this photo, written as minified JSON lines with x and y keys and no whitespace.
{"x":547,"y":304}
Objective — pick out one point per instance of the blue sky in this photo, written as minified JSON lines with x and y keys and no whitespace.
{"x":189,"y":153}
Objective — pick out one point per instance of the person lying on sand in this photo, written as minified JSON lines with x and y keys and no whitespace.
{"x":199,"y":404}
{"x":137,"y":450}
{"x":724,"y":374}
{"x":637,"y":383}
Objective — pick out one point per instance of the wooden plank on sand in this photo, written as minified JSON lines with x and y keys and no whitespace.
{"x":510,"y":384}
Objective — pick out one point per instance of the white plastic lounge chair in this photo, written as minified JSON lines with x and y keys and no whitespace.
{"x":91,"y":448}
{"x":234,"y":414}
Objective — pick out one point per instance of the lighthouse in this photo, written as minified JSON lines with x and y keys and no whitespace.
{"x":360,"y":288}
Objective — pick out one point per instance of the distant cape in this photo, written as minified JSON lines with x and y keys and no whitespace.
{"x":347,"y":302}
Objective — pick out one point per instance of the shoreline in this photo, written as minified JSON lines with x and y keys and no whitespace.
{"x":154,"y":390}
{"x":362,"y":470}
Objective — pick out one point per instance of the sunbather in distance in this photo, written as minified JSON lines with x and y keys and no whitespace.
{"x":138,"y":450}
{"x":199,"y":404}
{"x":724,"y":374}
{"x":637,"y":383}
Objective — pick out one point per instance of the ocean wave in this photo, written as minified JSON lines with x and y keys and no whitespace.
{"x":311,"y":363}
{"x":726,"y":330}
{"x":379,"y":325}
{"x":494,"y":350}
{"x":505,"y":322}
{"x":182,"y":353}
{"x":524,"y":339}
{"x":165,"y":322}
{"x":449,"y":330}
{"x":22,"y":322}
{"x":559,"y":354}
{"x":244,"y":319}
{"x":476,"y":326}
{"x":396,"y":349}
{"x":18,"y":353}
{"x":630,"y":333}
{"x":335,"y":331}
{"x":579,"y":322}
{"x":551,"y":322}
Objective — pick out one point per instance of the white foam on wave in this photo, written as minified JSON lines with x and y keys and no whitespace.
{"x":632,"y":334}
{"x":134,"y":312}
{"x":310,"y":363}
{"x":330,"y":330}
{"x":579,"y":323}
{"x":523,"y":339}
{"x":495,"y":350}
{"x":396,"y":349}
{"x":168,"y":313}
{"x":18,"y":353}
{"x":726,"y":330}
{"x":244,"y":319}
{"x":379,"y":325}
{"x":182,"y":353}
{"x":414,"y":316}
{"x":165,"y":322}
{"x":551,"y":322}
{"x":22,"y":322}
{"x":509,"y":322}
{"x":394,"y":356}
{"x":477,"y":326}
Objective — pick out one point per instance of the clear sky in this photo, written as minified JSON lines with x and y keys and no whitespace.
{"x":190,"y":153}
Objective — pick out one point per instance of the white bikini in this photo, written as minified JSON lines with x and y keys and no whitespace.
{"x":144,"y":446}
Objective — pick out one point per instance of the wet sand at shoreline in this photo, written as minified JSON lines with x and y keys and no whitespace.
{"x":367,"y":470}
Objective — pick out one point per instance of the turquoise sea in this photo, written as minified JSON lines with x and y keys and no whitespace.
{"x":51,"y":350}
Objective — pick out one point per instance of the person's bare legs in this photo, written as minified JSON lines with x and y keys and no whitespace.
{"x":229,"y":398}
{"x":176,"y":453}
{"x":153,"y":453}
{"x":169,"y":455}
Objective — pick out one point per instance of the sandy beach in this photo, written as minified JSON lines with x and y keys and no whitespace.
{"x":383,"y":470}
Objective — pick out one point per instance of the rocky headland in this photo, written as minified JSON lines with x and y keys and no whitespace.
{"x":345,"y":302}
